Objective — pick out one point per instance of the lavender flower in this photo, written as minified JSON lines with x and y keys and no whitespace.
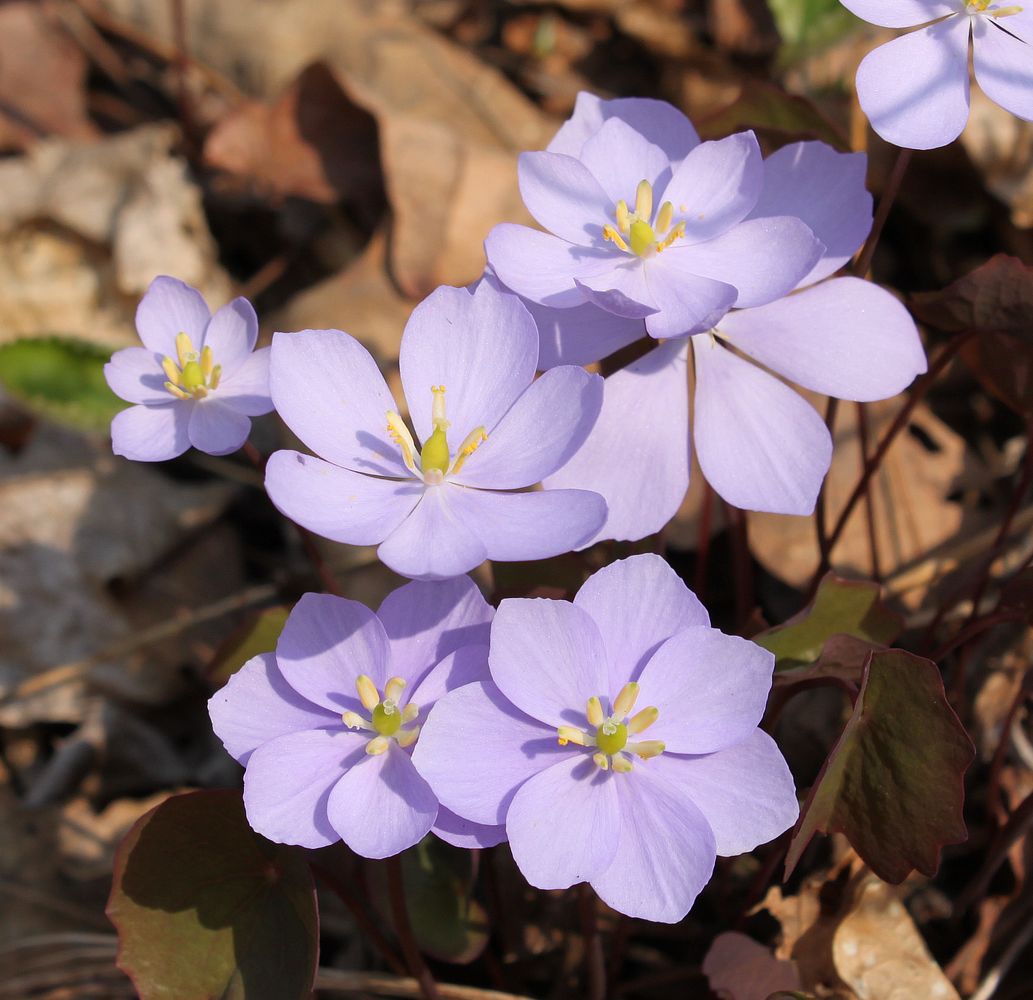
{"x":915,"y":89}
{"x":197,"y":380}
{"x":759,"y":444}
{"x":648,"y":223}
{"x":617,"y":740}
{"x":487,"y":431}
{"x":325,"y":728}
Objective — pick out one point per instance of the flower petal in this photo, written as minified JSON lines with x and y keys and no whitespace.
{"x":169,"y":307}
{"x":337,"y":503}
{"x":759,"y":444}
{"x":541,"y":431}
{"x":665,"y":854}
{"x":483,"y":347}
{"x":563,"y":196}
{"x":1004,"y":62}
{"x":326,"y":644}
{"x":232,"y":333}
{"x":688,"y":302}
{"x":152,"y":433}
{"x":536,"y":525}
{"x":745,"y":791}
{"x":637,"y":455}
{"x":845,"y":337}
{"x":899,"y":13}
{"x":256,"y":705}
{"x":622,"y":290}
{"x":914,"y":89}
{"x":475,"y":723}
{"x":425,"y":621}
{"x":467,"y":665}
{"x":548,"y":658}
{"x":824,"y":188}
{"x":580,"y":335}
{"x":542,"y":267}
{"x":459,"y":832}
{"x":619,"y":157}
{"x":382,"y":806}
{"x":716,"y":186}
{"x":711,"y":690}
{"x":135,"y":374}
{"x":329,"y":391}
{"x":564,"y":823}
{"x":217,"y":429}
{"x":637,"y":604}
{"x":246,"y":388}
{"x":288,"y":782}
{"x":659,"y":122}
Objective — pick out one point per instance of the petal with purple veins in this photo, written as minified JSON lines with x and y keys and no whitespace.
{"x":246,"y":388}
{"x":217,"y":429}
{"x":170,"y":307}
{"x":231,"y":334}
{"x":152,"y":433}
{"x":564,"y":198}
{"x":619,"y":157}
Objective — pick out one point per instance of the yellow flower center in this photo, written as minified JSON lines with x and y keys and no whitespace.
{"x":386,"y":719}
{"x":613,"y":749}
{"x":638,"y":231}
{"x":435,"y":460}
{"x":195,"y":374}
{"x":989,"y":7}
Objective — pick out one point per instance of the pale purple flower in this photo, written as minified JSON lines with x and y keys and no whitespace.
{"x":759,"y":444}
{"x":915,"y":89}
{"x":326,"y":726}
{"x":647,"y":222}
{"x":487,"y":431}
{"x":197,"y":380}
{"x":617,"y":740}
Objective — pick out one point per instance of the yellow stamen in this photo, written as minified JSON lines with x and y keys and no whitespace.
{"x":643,"y":720}
{"x":571,"y":734}
{"x":213,"y":382}
{"x":400,"y":435}
{"x":469,"y":446}
{"x":644,"y":200}
{"x":410,"y":712}
{"x":437,"y":412}
{"x":625,"y":701}
{"x":642,"y":237}
{"x":353,"y":720}
{"x":377,"y":745}
{"x":676,"y":233}
{"x":171,"y":370}
{"x":177,"y":392}
{"x":1006,"y":11}
{"x":623,"y":217}
{"x":594,"y":712}
{"x":611,"y":234}
{"x":664,"y":217}
{"x":393,"y":689}
{"x":207,"y":362}
{"x":621,"y":765}
{"x":185,"y":350}
{"x":407,"y":737}
{"x":647,"y":748}
{"x":601,"y":761}
{"x":367,"y":692}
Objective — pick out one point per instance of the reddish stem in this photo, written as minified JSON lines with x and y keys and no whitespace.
{"x":706,"y":517}
{"x":869,"y":506}
{"x":889,"y":196}
{"x":400,"y":913}
{"x":595,"y":967}
{"x":820,"y":525}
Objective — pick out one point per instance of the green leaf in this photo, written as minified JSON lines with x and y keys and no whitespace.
{"x":60,"y":379}
{"x":448,"y":923}
{"x":808,"y":26}
{"x":258,"y":635}
{"x":893,"y":782}
{"x":840,"y":607}
{"x":769,"y":109}
{"x":206,"y":908}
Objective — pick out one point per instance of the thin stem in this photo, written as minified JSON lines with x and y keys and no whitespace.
{"x":741,"y":564}
{"x":921,"y":389}
{"x":706,"y":518}
{"x":595,"y":967}
{"x":869,"y":506}
{"x":889,"y":195}
{"x":400,"y":914}
{"x":820,"y":523}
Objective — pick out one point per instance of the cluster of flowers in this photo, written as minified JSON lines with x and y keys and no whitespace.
{"x":614,"y":739}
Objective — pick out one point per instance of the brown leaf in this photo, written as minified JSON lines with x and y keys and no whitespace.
{"x":312,"y":141}
{"x":42,"y":79}
{"x":741,"y":969}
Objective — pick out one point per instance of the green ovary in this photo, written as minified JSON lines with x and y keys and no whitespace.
{"x":611,"y":737}
{"x":192,"y":377}
{"x":434,"y":454}
{"x":386,"y":719}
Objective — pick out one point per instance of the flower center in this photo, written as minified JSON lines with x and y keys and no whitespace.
{"x":637,"y":231}
{"x":386,"y":719}
{"x":435,"y":460}
{"x":611,"y":732}
{"x":195,"y":375}
{"x":991,"y":8}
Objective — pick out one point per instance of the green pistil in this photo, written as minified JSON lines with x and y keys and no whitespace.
{"x":641,"y":237}
{"x":387,"y":720}
{"x":434,"y":454}
{"x":611,"y":737}
{"x":193,"y":376}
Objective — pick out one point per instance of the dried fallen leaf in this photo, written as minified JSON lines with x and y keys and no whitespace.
{"x":741,"y":969}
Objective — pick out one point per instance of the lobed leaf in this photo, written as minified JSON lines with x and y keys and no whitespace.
{"x":893,"y":782}
{"x":206,"y":908}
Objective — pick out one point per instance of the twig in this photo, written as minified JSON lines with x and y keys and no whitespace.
{"x":741,"y":564}
{"x":595,"y":967}
{"x":396,"y":891}
{"x":820,"y":524}
{"x":889,"y":195}
{"x":869,"y":505}
{"x":390,"y":986}
{"x":993,"y":978}
{"x":706,"y":517}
